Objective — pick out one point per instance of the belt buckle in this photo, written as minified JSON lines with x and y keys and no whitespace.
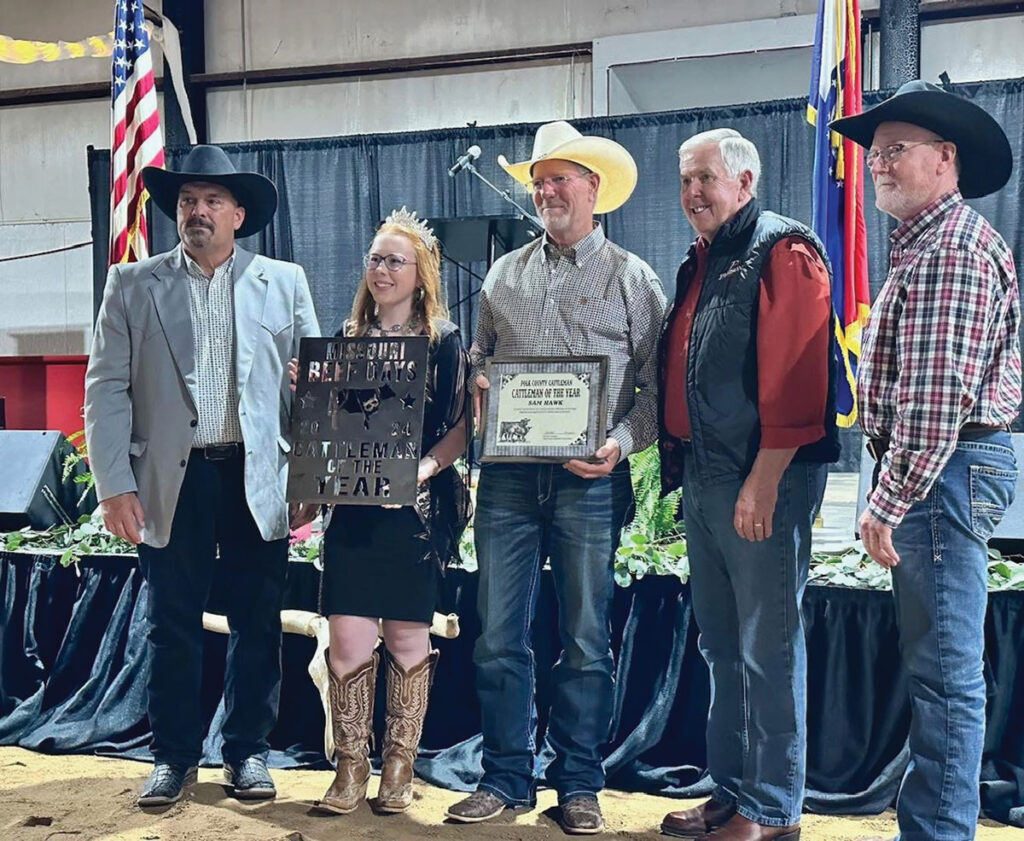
{"x":219,"y":452}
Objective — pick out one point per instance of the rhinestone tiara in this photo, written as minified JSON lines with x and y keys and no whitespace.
{"x":409,"y":219}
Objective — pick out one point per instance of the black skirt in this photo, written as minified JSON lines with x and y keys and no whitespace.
{"x":377,"y":564}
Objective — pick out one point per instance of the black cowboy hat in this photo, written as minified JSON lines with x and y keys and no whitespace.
{"x":256,"y":193}
{"x":981,"y":144}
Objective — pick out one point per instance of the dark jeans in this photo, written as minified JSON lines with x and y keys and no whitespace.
{"x":746,"y":598}
{"x":212,"y":513}
{"x":526,"y":512}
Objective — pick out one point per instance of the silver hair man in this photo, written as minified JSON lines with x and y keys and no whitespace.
{"x":738,"y":153}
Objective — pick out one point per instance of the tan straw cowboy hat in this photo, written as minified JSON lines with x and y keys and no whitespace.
{"x":560,"y":141}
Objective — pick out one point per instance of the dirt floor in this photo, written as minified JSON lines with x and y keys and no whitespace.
{"x":82,"y":798}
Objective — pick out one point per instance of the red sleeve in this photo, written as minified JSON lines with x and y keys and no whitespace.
{"x":793,"y":321}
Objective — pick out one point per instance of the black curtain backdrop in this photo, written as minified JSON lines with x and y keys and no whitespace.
{"x":334,"y":192}
{"x":73,"y":669}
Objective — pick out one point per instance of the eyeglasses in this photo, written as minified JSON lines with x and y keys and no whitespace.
{"x":890,"y":153}
{"x":392,"y":262}
{"x":556,"y":181}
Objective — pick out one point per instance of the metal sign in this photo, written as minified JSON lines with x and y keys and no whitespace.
{"x":357,"y":420}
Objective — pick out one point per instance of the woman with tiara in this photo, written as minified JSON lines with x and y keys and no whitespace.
{"x":385,"y":563}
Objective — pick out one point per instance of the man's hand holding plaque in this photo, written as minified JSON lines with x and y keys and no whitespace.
{"x":547,"y":409}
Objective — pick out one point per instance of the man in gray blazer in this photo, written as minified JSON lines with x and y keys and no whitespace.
{"x":187,"y":402}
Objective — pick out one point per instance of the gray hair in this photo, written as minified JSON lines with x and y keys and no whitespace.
{"x":738,"y":153}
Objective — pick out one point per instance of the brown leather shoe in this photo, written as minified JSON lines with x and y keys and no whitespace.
{"x":739,"y":828}
{"x":695,"y":822}
{"x":407,"y":693}
{"x":352,"y":720}
{"x":480,"y":806}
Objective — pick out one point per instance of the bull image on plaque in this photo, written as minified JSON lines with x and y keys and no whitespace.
{"x":542,"y":408}
{"x":357,"y":420}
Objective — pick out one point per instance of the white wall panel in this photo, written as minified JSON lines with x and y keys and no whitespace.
{"x":47,"y":300}
{"x":516,"y":93}
{"x":282,"y":33}
{"x":43,"y":170}
{"x":972,"y":50}
{"x":720,"y":64}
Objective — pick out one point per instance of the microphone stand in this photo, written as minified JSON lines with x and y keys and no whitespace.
{"x":524,"y":214}
{"x":471,"y":273}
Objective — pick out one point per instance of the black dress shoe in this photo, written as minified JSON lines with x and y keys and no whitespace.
{"x":166,"y":784}
{"x":250,"y":779}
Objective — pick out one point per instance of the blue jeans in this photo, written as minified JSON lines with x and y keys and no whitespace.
{"x":746,"y":599}
{"x":941,"y":594}
{"x":526,"y":512}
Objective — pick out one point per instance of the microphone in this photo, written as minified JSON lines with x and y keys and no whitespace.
{"x":472,"y":153}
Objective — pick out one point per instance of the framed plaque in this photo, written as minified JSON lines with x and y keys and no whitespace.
{"x":544,"y":408}
{"x":357,"y":420}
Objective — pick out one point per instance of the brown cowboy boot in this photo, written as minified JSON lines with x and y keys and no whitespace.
{"x":352,"y":720}
{"x":695,"y":822}
{"x":739,"y":828}
{"x":407,"y":692}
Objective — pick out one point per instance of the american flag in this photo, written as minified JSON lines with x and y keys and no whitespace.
{"x":136,"y":140}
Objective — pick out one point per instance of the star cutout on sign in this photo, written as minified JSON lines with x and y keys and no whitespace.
{"x":308,"y":400}
{"x":408,"y":401}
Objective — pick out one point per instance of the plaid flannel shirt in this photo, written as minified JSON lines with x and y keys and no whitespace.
{"x":941,"y":348}
{"x":593,"y":298}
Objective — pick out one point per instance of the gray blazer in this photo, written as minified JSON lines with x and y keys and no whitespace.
{"x":140,"y":408}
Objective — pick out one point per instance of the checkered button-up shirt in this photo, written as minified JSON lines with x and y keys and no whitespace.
{"x":941,"y":348}
{"x":593,"y":298}
{"x":212,"y":305}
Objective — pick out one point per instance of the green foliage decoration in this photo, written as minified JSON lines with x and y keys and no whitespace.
{"x":652,"y":544}
{"x":72,"y":460}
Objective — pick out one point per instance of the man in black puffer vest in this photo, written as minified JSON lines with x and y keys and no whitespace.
{"x":747,"y":427}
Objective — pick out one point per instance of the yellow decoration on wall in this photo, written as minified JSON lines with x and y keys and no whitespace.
{"x":14,"y":51}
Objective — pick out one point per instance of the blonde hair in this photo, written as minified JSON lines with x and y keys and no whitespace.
{"x":428,"y":303}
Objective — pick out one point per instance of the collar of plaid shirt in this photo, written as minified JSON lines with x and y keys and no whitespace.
{"x":909,"y":230}
{"x":579,"y":252}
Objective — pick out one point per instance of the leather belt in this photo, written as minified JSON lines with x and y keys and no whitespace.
{"x":219,"y":452}
{"x":877,"y":447}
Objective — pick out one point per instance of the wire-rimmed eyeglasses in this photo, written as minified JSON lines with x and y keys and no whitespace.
{"x":888,"y":154}
{"x":392,"y":262}
{"x":556,"y":181}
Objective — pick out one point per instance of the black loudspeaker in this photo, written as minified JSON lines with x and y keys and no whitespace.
{"x":32,"y":492}
{"x":1011,"y":527}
